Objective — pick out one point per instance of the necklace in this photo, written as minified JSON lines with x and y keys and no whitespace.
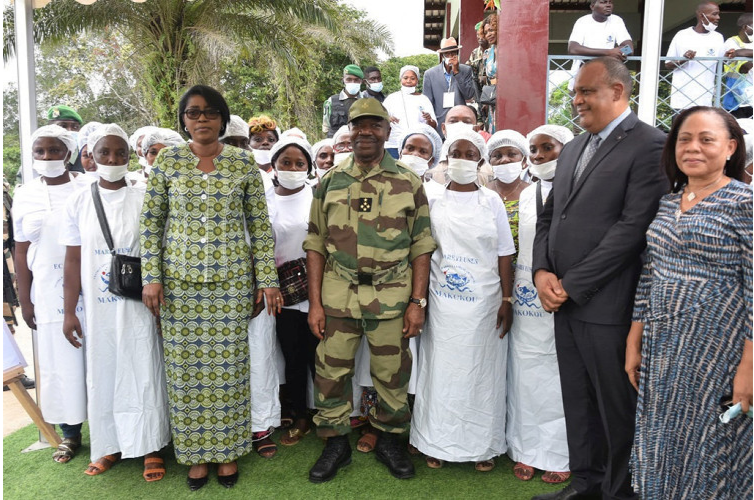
{"x":510,"y":191}
{"x":692,"y":195}
{"x":217,"y":151}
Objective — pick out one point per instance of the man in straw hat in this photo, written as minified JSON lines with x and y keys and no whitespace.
{"x":449,"y":83}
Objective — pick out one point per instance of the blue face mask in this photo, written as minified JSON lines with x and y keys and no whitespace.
{"x":352,"y":88}
{"x":375,"y":87}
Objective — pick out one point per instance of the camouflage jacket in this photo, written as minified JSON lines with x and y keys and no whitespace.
{"x":369,"y":225}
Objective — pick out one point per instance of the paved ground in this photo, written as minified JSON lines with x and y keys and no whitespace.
{"x":14,"y":417}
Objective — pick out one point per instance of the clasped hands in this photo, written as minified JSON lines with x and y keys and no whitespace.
{"x":552,"y":295}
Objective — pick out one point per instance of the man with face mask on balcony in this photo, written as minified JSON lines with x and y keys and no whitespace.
{"x":335,"y":110}
{"x":450,"y":83}
{"x":693,"y":81}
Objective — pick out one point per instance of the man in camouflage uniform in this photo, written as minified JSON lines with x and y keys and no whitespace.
{"x":368,"y":252}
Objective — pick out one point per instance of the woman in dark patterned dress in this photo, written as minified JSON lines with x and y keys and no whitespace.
{"x":201,"y":279}
{"x":690,"y":344}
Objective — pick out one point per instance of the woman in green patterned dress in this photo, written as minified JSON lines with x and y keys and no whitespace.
{"x":508,"y":150}
{"x":198,"y":270}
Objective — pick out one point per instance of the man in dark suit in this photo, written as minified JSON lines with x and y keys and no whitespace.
{"x":449,"y":83}
{"x":587,"y":260}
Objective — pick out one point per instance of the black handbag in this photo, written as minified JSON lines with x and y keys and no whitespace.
{"x":293,"y":283}
{"x":489,"y":95}
{"x":125,"y":271}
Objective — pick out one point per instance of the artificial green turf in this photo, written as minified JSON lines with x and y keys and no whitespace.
{"x":35,"y":476}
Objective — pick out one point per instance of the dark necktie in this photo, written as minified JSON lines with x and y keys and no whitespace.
{"x":589,"y":150}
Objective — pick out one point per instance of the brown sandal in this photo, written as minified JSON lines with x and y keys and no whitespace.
{"x":485,"y":465}
{"x":367,"y":441}
{"x":103,"y":464}
{"x":265,"y":446}
{"x":523,"y":472}
{"x":434,"y":463}
{"x":293,"y":435}
{"x":552,"y":477}
{"x":154,"y":468}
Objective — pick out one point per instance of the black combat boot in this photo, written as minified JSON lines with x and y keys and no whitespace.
{"x":337,"y":454}
{"x":390,"y":452}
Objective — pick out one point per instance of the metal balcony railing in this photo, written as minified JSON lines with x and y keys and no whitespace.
{"x":697,"y":90}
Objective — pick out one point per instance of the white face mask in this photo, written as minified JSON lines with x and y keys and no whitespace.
{"x":375,"y":87}
{"x":49,"y":168}
{"x":417,"y":164}
{"x":340,"y":157}
{"x":112,"y":173}
{"x":544,"y":171}
{"x":143,"y":162}
{"x":462,"y":171}
{"x":352,"y":88}
{"x":408,"y":90}
{"x":261,"y":156}
{"x":453,"y":128}
{"x":507,"y":172}
{"x":322,"y":171}
{"x":710,"y":27}
{"x":292,"y":180}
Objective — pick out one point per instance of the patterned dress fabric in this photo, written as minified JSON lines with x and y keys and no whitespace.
{"x":695,"y":298}
{"x":193,"y":242}
{"x":511,"y":207}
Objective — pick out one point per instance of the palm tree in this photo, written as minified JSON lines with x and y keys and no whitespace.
{"x":182,"y":42}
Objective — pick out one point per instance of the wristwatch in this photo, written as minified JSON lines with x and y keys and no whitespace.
{"x":419,"y":302}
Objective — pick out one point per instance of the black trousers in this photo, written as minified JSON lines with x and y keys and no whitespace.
{"x":298,"y":345}
{"x":599,"y":404}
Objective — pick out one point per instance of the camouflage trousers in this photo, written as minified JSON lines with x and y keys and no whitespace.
{"x":390,"y":368}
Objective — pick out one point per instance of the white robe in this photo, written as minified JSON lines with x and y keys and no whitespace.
{"x":459,"y":412}
{"x":536,"y":430}
{"x":38,"y":211}
{"x":128,"y":409}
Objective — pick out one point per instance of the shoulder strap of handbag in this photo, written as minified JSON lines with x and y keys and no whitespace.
{"x":540,"y":205}
{"x":102,"y":218}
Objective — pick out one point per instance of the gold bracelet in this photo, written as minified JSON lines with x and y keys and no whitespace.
{"x":508,"y":299}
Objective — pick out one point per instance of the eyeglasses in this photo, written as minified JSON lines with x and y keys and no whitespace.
{"x":341,"y":148}
{"x":195,"y":113}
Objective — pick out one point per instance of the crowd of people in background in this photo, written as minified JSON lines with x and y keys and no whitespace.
{"x":448,"y":290}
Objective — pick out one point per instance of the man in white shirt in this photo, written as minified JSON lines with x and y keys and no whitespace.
{"x":600,"y":33}
{"x":693,"y":81}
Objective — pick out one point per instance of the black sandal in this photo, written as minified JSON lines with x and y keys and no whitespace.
{"x":66,"y":450}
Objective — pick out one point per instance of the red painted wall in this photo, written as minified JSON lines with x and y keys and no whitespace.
{"x":523,"y":33}
{"x":472,"y":11}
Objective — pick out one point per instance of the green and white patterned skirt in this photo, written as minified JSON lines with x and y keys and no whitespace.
{"x":204,"y":328}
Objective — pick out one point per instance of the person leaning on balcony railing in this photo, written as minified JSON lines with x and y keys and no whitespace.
{"x":737,"y":72}
{"x":693,"y":81}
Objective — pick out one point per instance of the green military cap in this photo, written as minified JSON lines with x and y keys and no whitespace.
{"x":63,"y":112}
{"x":354,"y":70}
{"x":367,"y":107}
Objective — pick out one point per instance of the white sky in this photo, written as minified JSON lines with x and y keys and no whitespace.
{"x":404,"y":19}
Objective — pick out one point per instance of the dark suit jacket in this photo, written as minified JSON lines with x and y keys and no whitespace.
{"x":592,"y":234}
{"x":435,"y":86}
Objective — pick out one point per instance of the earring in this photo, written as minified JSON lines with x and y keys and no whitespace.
{"x":727,"y":159}
{"x":185,"y":129}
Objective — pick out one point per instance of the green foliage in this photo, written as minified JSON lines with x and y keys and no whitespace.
{"x":11,"y":157}
{"x":560,"y":110}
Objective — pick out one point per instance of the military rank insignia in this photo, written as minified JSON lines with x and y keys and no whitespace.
{"x":365,"y":204}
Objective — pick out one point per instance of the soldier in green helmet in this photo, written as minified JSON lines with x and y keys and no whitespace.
{"x":368,"y":252}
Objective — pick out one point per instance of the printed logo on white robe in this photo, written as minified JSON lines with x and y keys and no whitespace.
{"x":102,"y":279}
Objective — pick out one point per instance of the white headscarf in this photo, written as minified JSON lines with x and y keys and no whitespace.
{"x":473,"y":137}
{"x":163,"y":136}
{"x":319,"y":145}
{"x":237,"y":127}
{"x":284,"y":142}
{"x":103,"y":131}
{"x":296,"y":132}
{"x":56,"y":132}
{"x":557,"y":132}
{"x":508,"y":138}
{"x":138,"y":133}
{"x":341,"y":132}
{"x":428,"y":132}
{"x":84,"y":133}
{"x":409,"y":67}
